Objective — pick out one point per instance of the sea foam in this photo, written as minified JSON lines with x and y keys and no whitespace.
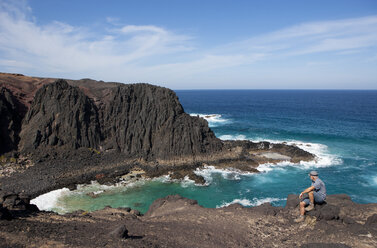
{"x":247,"y":203}
{"x":228,"y":174}
{"x":49,"y":201}
{"x":323,"y":157}
{"x":213,"y":120}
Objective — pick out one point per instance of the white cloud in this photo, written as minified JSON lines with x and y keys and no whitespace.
{"x":145,"y":28}
{"x":156,"y":54}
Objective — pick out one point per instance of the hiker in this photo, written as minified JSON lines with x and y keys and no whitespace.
{"x":316,"y":193}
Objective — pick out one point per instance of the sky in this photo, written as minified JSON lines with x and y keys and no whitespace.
{"x":190,"y":44}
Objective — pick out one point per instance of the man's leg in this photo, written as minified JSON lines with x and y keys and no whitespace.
{"x":311,"y":198}
{"x":302,"y":210}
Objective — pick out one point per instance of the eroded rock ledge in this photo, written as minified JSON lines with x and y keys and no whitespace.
{"x":175,"y":221}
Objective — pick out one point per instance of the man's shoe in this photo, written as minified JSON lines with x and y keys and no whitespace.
{"x":309,"y":208}
{"x":300,"y":219}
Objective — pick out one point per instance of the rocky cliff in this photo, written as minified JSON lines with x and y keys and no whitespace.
{"x":60,"y":115}
{"x":67,"y":132}
{"x":10,"y":121}
{"x":140,"y":120}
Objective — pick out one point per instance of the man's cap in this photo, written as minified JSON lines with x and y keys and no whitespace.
{"x":313,"y":173}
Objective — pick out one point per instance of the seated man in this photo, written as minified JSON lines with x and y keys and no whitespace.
{"x":316,"y":192}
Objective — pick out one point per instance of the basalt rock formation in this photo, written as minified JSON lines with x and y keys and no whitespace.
{"x":140,"y":120}
{"x":148,"y":121}
{"x":60,"y":115}
{"x":10,"y":121}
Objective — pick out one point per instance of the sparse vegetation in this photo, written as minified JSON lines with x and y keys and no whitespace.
{"x":95,"y":151}
{"x":3,"y":159}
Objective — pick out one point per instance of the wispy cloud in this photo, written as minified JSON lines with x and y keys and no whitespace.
{"x":156,"y":54}
{"x":315,"y":37}
{"x":62,"y":47}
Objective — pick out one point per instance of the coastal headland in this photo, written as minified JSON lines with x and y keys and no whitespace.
{"x":58,"y":133}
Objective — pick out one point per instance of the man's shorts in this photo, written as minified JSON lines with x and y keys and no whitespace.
{"x":318,"y":199}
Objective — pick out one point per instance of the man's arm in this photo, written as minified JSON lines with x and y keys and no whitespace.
{"x":311,"y":188}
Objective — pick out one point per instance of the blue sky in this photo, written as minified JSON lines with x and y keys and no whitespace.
{"x":186,"y":44}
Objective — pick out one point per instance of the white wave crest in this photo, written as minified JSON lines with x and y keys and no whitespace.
{"x":49,"y":201}
{"x":213,"y":120}
{"x":229,"y":173}
{"x":323,"y":157}
{"x":247,"y":203}
{"x":233,"y":137}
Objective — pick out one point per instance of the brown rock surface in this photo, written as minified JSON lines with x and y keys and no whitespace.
{"x":175,"y":221}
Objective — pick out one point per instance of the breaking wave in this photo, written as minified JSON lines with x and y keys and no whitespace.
{"x":228,"y":174}
{"x":323,"y":156}
{"x":247,"y":203}
{"x":213,"y":120}
{"x":49,"y":201}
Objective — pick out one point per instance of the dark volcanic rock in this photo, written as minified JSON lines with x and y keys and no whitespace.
{"x":292,"y":201}
{"x":60,"y":115}
{"x":5,"y":214}
{"x":149,"y":121}
{"x":372,"y":221}
{"x":10,"y":121}
{"x":139,"y":120}
{"x":120,"y":232}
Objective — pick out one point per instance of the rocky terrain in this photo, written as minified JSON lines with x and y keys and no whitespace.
{"x":59,"y":133}
{"x":175,"y":221}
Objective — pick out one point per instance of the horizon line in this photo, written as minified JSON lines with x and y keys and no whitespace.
{"x":286,"y":89}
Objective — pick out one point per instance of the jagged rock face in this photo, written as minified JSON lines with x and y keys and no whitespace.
{"x":149,"y":121}
{"x":60,"y":115}
{"x":140,"y":120}
{"x":10,"y":121}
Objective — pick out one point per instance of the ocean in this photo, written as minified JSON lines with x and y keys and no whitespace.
{"x":339,"y":126}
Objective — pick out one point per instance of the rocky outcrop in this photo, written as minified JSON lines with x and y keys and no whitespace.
{"x":148,"y":121}
{"x":10,"y":121}
{"x":14,"y":205}
{"x":139,"y":120}
{"x":60,"y":115}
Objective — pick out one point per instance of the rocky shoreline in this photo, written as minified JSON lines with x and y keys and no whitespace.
{"x":61,"y":133}
{"x":175,"y":221}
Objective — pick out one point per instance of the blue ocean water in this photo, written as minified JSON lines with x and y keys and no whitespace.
{"x":340,"y":127}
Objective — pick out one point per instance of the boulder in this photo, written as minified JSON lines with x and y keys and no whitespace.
{"x":292,"y":201}
{"x":371,"y":221}
{"x":325,"y":212}
{"x":18,"y":202}
{"x":135,"y":212}
{"x":120,"y":232}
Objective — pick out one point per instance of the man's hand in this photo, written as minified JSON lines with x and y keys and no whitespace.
{"x":300,"y":195}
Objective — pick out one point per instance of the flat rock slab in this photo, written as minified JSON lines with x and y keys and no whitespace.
{"x":274,"y":155}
